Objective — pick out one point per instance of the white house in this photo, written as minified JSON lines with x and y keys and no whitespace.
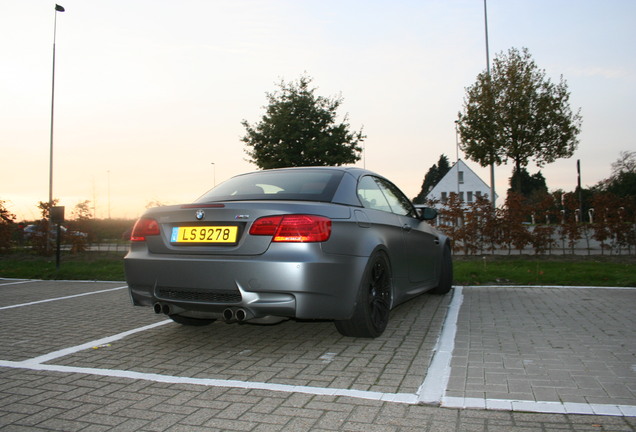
{"x":460,"y":179}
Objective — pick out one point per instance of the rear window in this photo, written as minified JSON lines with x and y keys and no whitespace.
{"x":301,"y":185}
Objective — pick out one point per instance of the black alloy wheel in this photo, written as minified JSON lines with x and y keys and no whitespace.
{"x":371,"y":313}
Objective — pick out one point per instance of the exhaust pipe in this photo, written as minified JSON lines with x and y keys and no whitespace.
{"x":228,"y":315}
{"x":240,"y":315}
{"x":237,"y":314}
{"x":159,"y":308}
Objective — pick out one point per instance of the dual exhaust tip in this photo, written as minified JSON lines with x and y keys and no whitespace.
{"x":164,"y":309}
{"x":238,"y":314}
{"x":229,"y":314}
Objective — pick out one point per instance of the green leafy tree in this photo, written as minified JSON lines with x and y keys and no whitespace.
{"x":432,"y":177}
{"x":300,"y":128}
{"x":622,"y":183}
{"x":516,"y":113}
{"x":530,"y":184}
{"x":532,"y":188}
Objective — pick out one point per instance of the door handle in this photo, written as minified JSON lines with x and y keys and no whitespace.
{"x":436,"y":241}
{"x":406,"y":227}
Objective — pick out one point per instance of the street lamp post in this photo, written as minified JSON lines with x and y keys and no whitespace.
{"x":108,"y":193}
{"x":492,"y":163}
{"x":457,"y":154}
{"x":58,"y":8}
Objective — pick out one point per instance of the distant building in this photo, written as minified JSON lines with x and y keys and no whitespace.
{"x":460,"y":180}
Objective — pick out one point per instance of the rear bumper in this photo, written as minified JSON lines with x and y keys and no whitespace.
{"x":297,"y":281}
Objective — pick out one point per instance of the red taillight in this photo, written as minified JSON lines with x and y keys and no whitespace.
{"x":266,"y":226}
{"x":293,"y":228}
{"x":143,"y":228}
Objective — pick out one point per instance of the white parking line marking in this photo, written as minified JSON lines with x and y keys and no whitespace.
{"x":62,"y":298}
{"x":540,"y":407}
{"x":434,"y":386}
{"x":558,"y":287}
{"x":77,"y":348}
{"x":406,"y":398}
{"x":13,"y":283}
{"x":210,"y":382}
{"x":438,"y":374}
{"x":431,"y":391}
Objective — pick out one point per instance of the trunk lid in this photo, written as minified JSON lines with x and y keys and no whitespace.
{"x":223,"y":228}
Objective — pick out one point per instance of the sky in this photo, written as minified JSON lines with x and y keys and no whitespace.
{"x":150,"y":94}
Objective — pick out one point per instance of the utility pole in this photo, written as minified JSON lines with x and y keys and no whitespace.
{"x":492,"y":163}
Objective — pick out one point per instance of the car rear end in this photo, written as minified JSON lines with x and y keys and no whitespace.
{"x":243,"y":258}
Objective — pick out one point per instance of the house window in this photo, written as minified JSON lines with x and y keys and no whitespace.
{"x":461,"y":196}
{"x":460,"y":177}
{"x":469,"y":197}
{"x":444,"y":197}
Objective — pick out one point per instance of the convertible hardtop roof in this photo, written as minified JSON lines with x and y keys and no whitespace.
{"x":355,"y":171}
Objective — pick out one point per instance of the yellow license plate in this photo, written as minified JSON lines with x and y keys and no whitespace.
{"x":204,"y":234}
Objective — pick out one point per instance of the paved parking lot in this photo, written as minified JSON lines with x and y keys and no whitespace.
{"x":76,"y":356}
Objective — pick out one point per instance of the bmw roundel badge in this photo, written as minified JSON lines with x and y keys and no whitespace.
{"x":200,"y":214}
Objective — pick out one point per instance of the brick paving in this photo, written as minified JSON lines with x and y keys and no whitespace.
{"x":544,"y":344}
{"x":518,"y":345}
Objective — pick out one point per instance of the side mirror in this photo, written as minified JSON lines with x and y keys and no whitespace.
{"x":426,"y":213}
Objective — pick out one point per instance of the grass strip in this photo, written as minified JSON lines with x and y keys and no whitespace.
{"x":85,"y":266}
{"x":616,"y":271}
{"x":570,"y":270}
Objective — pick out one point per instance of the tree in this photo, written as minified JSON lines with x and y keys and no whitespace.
{"x":626,"y":163}
{"x":82,"y":211}
{"x":300,"y":129}
{"x":516,"y":113}
{"x":42,"y":241}
{"x":624,"y":185}
{"x":533,"y":187}
{"x":7,"y":222}
{"x":81,"y":227}
{"x":432,"y":177}
{"x":542,"y":234}
{"x":45,"y":207}
{"x":623,"y":180}
{"x":529,"y":184}
{"x":513,"y":231}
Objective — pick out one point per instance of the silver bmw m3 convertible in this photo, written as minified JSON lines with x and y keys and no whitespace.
{"x":325,"y":243}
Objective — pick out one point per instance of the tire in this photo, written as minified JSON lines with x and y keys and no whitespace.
{"x":446,"y":273}
{"x":373,"y":305}
{"x":198,"y":322}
